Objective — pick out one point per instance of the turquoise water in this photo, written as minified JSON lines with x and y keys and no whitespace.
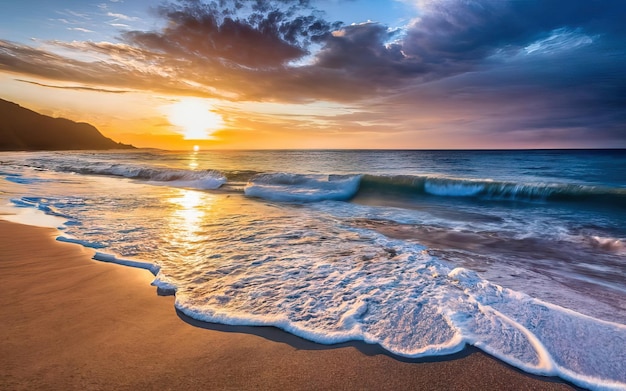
{"x":521,"y":253}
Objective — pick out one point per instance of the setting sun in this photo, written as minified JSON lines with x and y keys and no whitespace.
{"x":195,"y":118}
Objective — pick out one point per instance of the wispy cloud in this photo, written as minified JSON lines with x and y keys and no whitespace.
{"x":77,"y":88}
{"x":77,"y":14}
{"x":81,"y":29}
{"x":119,"y":25}
{"x":119,"y":16}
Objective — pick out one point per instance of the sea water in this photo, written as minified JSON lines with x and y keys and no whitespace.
{"x":519,"y":253}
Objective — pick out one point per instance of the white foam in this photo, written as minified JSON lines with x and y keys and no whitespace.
{"x":84,"y":243}
{"x":362,"y":286}
{"x":103,"y":257}
{"x":164,"y":287}
{"x":564,"y":342}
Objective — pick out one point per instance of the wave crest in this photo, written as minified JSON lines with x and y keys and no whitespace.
{"x":488,"y":189}
{"x":302,"y":188}
{"x":204,"y":180}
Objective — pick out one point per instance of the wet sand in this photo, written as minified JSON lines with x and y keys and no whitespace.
{"x":72,"y":323}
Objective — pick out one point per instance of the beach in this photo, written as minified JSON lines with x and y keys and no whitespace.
{"x":73,"y":323}
{"x":323,"y":195}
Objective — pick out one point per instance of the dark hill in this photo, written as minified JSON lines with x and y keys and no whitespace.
{"x":22,"y":130}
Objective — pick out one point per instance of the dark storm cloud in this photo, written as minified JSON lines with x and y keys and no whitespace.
{"x":535,"y":70}
{"x":563,"y":98}
{"x":468,"y":31}
{"x":362,"y":49}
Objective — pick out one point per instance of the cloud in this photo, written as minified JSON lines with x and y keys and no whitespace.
{"x":365,"y":51}
{"x":538,"y":67}
{"x":534,"y":100}
{"x":122,"y":73}
{"x":77,"y":88}
{"x":457,"y":30}
{"x":256,"y":50}
{"x":271,"y":34}
{"x":81,"y":29}
{"x":119,"y":16}
{"x":77,"y":14}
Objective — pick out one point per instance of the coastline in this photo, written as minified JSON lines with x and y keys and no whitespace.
{"x":73,"y":323}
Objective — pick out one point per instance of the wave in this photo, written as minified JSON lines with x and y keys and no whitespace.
{"x":302,"y":188}
{"x":312,"y":188}
{"x":177,"y":177}
{"x":491,"y":190}
{"x":199,"y":179}
{"x":298,"y":187}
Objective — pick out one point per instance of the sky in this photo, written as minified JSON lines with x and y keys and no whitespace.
{"x":297,"y":74}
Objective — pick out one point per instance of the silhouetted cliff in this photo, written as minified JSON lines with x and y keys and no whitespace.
{"x":23,"y":129}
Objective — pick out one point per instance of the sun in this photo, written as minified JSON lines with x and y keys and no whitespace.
{"x":196,"y":148}
{"x":195,"y":118}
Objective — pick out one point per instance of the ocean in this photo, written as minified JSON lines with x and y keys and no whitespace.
{"x":519,"y":253}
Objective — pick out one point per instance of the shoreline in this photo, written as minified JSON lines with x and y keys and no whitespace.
{"x":74,"y":323}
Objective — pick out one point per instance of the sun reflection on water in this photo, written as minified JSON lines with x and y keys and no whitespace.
{"x":193,"y":160}
{"x":185,"y":224}
{"x":189,"y":202}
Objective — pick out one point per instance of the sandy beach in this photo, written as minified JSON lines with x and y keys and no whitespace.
{"x":72,"y":323}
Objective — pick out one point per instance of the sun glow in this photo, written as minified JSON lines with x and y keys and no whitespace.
{"x":195,"y":118}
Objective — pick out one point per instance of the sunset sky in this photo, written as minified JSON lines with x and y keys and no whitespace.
{"x":324,"y":73}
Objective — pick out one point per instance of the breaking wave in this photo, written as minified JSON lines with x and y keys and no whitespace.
{"x":493,"y":190}
{"x":199,"y":179}
{"x":302,"y":188}
{"x":312,"y":188}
